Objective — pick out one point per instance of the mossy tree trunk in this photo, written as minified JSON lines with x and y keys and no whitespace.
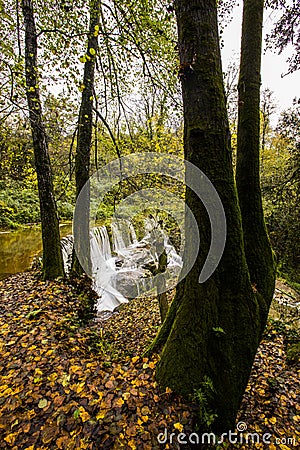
{"x":84,"y":140}
{"x":52,"y":255}
{"x":213,"y":329}
{"x":257,"y":247}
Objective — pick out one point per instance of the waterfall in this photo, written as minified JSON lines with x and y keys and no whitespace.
{"x":125,"y":275}
{"x":67,"y":243}
{"x":123,"y":234}
{"x":101,"y":236}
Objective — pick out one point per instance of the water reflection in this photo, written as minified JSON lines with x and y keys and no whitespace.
{"x":17,"y":249}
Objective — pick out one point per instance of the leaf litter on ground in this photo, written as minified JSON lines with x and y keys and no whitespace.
{"x":67,"y":382}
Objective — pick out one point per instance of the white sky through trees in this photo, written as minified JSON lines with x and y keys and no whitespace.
{"x":273,"y":65}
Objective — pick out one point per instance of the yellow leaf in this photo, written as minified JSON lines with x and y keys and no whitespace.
{"x":132,"y":445}
{"x":83,"y":414}
{"x":272,"y":420}
{"x":119,"y":402}
{"x":92,"y":51}
{"x":145,"y":410}
{"x":178,"y":426}
{"x":77,"y":387}
{"x":43,"y":403}
{"x":126,"y":395}
{"x":52,"y":377}
{"x":145,"y":418}
{"x":75,"y":368}
{"x":10,"y":438}
{"x":284,"y":447}
{"x":100,"y":415}
{"x":168,"y":390}
{"x":134,"y":359}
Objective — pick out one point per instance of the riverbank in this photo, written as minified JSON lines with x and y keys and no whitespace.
{"x":18,"y":248}
{"x":31,"y":226}
{"x":67,"y":382}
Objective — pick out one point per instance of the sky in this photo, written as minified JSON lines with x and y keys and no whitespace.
{"x":273,"y":65}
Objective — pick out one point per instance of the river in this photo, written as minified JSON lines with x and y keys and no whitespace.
{"x":18,"y":248}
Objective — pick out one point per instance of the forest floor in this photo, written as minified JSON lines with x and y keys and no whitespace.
{"x":69,"y":384}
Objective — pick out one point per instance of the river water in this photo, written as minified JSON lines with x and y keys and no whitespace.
{"x":18,"y":248}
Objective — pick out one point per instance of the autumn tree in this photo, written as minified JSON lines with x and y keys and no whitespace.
{"x":52,"y":256}
{"x":257,"y":247}
{"x":281,"y":193}
{"x":84,"y":134}
{"x":212,"y":331}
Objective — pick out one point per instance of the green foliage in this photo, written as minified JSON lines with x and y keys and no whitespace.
{"x":203,"y":397}
{"x":65,"y":210}
{"x":18,"y":205}
{"x":291,"y":338}
{"x":219,"y":332}
{"x":281,"y":191}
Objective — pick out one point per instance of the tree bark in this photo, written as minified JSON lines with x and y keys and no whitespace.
{"x":84,"y":142}
{"x":213,"y":329}
{"x":52,"y":255}
{"x":257,"y":247}
{"x":161,"y":284}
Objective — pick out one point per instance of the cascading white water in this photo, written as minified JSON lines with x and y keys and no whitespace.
{"x":101,"y":235}
{"x":125,"y":275}
{"x":67,"y":243}
{"x":123,"y":234}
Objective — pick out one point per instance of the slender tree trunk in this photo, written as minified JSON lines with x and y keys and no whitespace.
{"x":257,"y":247}
{"x":213,"y":329}
{"x":161,"y":285}
{"x":84,"y":140}
{"x":52,"y":255}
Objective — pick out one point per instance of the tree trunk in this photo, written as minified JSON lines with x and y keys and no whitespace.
{"x":161,"y":284}
{"x":257,"y":247}
{"x":213,"y":329}
{"x":84,"y":142}
{"x":52,"y":255}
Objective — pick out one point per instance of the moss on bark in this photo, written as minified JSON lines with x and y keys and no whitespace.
{"x":257,"y":247}
{"x":193,"y":350}
{"x":84,"y":142}
{"x":52,"y":255}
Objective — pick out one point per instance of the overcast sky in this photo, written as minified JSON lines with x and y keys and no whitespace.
{"x":273,"y":65}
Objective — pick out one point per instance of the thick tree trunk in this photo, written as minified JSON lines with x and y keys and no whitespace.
{"x":52,"y":255}
{"x":84,"y":142}
{"x":257,"y":247}
{"x":212,"y":329}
